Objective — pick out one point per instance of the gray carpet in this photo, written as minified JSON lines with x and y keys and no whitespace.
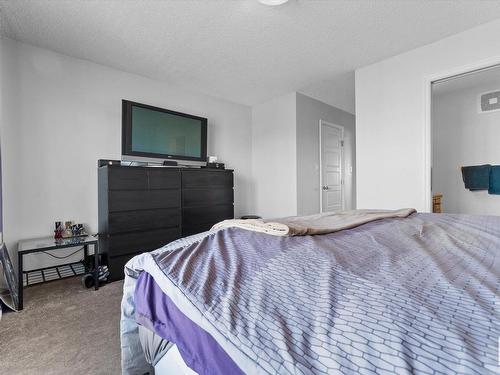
{"x":63,"y":329}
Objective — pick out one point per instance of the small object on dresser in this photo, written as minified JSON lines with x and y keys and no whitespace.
{"x":58,"y":231}
{"x":103,"y":162}
{"x":169,"y":163}
{"x":69,"y":230}
{"x":215,"y":166}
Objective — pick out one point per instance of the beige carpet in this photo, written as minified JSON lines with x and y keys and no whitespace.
{"x":63,"y":329}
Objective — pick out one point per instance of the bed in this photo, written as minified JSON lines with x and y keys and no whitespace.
{"x":418,"y":294}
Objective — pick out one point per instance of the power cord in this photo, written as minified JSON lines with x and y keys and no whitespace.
{"x":62,"y":257}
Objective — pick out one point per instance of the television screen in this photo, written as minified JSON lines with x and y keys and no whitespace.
{"x":160,"y":133}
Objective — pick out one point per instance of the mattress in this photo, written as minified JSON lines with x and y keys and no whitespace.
{"x":414,"y":295}
{"x":172,"y":363}
{"x":163,"y":356}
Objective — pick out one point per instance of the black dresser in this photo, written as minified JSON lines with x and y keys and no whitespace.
{"x":144,"y":208}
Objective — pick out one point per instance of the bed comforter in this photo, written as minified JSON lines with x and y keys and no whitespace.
{"x":414,"y":295}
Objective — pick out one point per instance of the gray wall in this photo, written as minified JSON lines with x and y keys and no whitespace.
{"x":309,"y":112}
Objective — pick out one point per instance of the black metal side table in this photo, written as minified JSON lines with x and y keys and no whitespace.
{"x":37,"y":245}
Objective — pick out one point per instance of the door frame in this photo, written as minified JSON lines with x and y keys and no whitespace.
{"x":427,"y":136}
{"x":342,"y":177}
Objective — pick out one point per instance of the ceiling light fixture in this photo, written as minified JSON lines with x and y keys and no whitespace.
{"x":272,"y":2}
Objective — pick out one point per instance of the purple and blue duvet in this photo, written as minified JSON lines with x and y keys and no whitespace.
{"x":416,"y":295}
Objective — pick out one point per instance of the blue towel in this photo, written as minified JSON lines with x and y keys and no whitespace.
{"x":494,"y":187}
{"x":476,"y":177}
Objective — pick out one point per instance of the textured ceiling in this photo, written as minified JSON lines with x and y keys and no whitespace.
{"x":242,"y":50}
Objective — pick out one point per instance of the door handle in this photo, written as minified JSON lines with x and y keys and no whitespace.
{"x":325,"y":187}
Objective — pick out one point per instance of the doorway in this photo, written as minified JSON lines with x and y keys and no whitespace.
{"x":465,"y":113}
{"x":331,"y":164}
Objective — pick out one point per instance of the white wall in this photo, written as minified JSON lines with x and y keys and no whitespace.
{"x":462,"y":136}
{"x":309,"y":112}
{"x":391,"y":115}
{"x":274,"y":157}
{"x":61,"y":114}
{"x":285,"y":154}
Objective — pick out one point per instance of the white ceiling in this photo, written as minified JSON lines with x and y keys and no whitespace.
{"x":242,"y":50}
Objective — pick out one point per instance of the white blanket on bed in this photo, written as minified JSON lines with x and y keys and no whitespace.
{"x":314,"y":224}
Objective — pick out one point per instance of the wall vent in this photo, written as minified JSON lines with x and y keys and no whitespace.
{"x":489,"y":102}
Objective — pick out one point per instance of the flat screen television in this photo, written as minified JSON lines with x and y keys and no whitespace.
{"x":156,"y":134}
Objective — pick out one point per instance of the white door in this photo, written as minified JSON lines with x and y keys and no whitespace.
{"x":331,"y":170}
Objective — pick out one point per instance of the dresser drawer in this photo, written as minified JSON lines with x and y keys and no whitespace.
{"x":163,"y":178}
{"x":120,"y":222}
{"x":128,"y":243}
{"x":207,"y":179}
{"x":206,"y":215}
{"x":143,"y":200}
{"x":127,"y":178}
{"x":204,"y":197}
